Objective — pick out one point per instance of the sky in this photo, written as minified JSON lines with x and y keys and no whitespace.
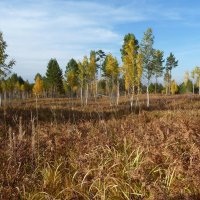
{"x":36,"y":31}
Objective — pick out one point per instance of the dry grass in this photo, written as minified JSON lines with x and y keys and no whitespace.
{"x":101,"y":152}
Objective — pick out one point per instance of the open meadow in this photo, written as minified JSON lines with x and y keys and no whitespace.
{"x":60,"y":150}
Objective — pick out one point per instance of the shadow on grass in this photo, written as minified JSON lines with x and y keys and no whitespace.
{"x":92,"y":113}
{"x":11,"y":115}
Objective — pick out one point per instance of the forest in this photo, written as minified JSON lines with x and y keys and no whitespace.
{"x":101,"y":75}
{"x":102,"y":128}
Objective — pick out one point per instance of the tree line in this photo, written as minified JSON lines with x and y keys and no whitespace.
{"x":101,"y":74}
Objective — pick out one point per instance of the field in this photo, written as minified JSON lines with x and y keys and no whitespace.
{"x":56,"y":149}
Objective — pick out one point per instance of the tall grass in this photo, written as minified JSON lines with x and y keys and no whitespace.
{"x":149,"y":155}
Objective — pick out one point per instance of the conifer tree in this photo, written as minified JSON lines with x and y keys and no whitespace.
{"x":71,"y":75}
{"x":158,"y":65}
{"x":170,"y":64}
{"x":54,"y":78}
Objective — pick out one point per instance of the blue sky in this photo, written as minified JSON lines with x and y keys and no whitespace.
{"x":38,"y":30}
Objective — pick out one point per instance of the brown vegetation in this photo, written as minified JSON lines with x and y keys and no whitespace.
{"x":65,"y":151}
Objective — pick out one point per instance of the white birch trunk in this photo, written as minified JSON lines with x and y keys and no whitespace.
{"x":86,"y":95}
{"x":117,"y":92}
{"x":148,"y":95}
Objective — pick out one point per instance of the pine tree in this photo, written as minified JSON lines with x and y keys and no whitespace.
{"x":100,"y":58}
{"x":158,"y":65}
{"x":54,"y":78}
{"x":170,"y":64}
{"x":38,"y":75}
{"x":71,"y":75}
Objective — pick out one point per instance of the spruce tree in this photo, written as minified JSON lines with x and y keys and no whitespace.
{"x":71,"y":75}
{"x":54,"y":78}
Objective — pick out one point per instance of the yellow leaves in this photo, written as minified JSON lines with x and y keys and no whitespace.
{"x":92,"y":65}
{"x":112,"y":68}
{"x":38,"y":86}
{"x":174,"y":87}
{"x":139,"y":68}
{"x":18,"y":86}
{"x":22,"y":87}
{"x":83,"y":70}
{"x":70,"y":78}
{"x":132,"y":66}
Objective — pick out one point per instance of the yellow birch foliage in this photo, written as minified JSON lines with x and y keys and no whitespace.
{"x":139,"y":69}
{"x":174,"y":87}
{"x":71,"y":80}
{"x":112,"y":69}
{"x":129,"y":65}
{"x":38,"y":86}
{"x":92,"y":67}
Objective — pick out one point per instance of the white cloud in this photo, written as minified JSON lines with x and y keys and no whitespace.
{"x":38,"y":30}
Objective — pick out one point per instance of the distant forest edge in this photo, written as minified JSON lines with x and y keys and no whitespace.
{"x":101,"y":75}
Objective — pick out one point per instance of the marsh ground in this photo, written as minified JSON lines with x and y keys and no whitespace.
{"x":64,"y":151}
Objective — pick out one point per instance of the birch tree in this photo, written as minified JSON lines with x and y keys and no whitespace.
{"x":196,"y":73}
{"x":174,"y":87}
{"x":38,"y":86}
{"x":83,"y":79}
{"x":112,"y":74}
{"x":148,"y":56}
{"x":92,"y":70}
{"x":129,"y":57}
{"x":5,"y":65}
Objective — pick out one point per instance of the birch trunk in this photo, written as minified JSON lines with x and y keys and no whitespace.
{"x":81,"y":95}
{"x":148,"y":95}
{"x":117,"y":92}
{"x":86,"y":95}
